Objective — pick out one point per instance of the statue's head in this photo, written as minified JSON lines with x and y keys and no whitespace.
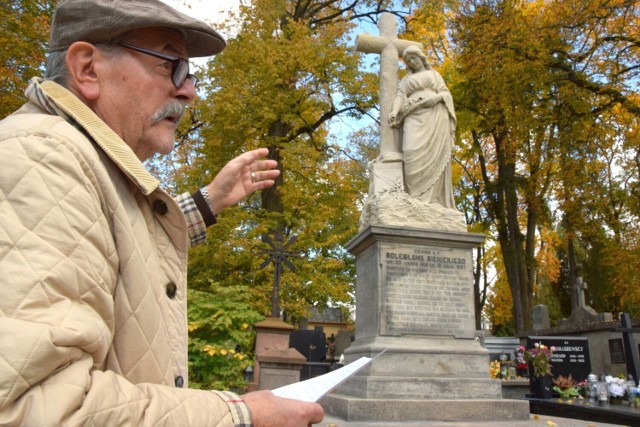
{"x":415,"y":50}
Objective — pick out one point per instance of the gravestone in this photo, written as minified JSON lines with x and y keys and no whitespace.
{"x":540,"y":317}
{"x":498,"y":346}
{"x":581,"y":312}
{"x":414,"y":299}
{"x":414,"y":293}
{"x":311,"y":344}
{"x":570,"y":357}
{"x":276,"y":364}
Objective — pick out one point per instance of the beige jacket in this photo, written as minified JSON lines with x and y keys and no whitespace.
{"x":93,"y":258}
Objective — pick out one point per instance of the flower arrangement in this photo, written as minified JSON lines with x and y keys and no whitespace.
{"x":540,"y":358}
{"x":617,"y":386}
{"x":521,"y":363}
{"x":584,"y":389}
{"x":494,"y":369}
{"x":565,"y":386}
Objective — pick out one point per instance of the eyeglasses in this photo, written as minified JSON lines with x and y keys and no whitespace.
{"x":179,"y":66}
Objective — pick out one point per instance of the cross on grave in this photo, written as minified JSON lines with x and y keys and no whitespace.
{"x":581,"y":288}
{"x":390,"y":48}
{"x":630,"y":346}
{"x":278,"y":255}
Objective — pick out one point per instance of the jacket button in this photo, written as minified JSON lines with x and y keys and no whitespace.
{"x":172,"y":289}
{"x":160,"y":207}
{"x":179,"y":381}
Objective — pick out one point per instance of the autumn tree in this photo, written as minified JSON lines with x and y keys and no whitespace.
{"x":287,"y":73}
{"x":23,"y":44}
{"x":536,"y":75}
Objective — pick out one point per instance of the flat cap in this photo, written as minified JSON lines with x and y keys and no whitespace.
{"x":96,"y":21}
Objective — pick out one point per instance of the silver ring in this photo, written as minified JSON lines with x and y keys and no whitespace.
{"x":253,"y":177}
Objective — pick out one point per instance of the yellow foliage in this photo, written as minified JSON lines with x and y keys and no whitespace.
{"x":546,"y":257}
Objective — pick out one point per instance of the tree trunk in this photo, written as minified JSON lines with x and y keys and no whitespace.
{"x":271,"y":201}
{"x":503,"y":198}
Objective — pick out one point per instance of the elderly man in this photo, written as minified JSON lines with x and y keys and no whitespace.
{"x":93,"y":252}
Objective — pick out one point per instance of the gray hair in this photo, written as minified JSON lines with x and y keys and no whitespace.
{"x":56,"y":68}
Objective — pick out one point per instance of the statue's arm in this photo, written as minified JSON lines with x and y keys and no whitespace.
{"x":395,"y":118}
{"x":444,"y":91}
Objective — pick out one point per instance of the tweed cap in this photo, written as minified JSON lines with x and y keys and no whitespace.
{"x":97,"y":21}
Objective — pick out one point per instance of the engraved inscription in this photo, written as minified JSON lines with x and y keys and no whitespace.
{"x":428,"y":291}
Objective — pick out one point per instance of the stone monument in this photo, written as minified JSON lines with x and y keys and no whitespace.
{"x":581,"y":312}
{"x":414,"y":293}
{"x":410,"y":182}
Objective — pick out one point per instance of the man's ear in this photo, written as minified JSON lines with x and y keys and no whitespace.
{"x":81,"y":60}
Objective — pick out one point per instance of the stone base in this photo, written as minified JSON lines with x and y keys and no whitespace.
{"x":357,"y":409}
{"x":415,"y":310}
{"x":422,"y":379}
{"x":393,"y":207}
{"x":420,"y":388}
{"x":515,"y":389}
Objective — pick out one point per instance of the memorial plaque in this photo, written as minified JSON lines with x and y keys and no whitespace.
{"x":616,"y":351}
{"x":428,"y":291}
{"x":570,"y":357}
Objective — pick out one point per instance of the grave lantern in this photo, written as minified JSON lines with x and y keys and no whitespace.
{"x":504,"y":366}
{"x":248,"y":374}
{"x":603,"y":391}
{"x":592,"y":382}
{"x":631,"y":384}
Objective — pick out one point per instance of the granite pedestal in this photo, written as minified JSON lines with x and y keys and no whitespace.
{"x":414,"y":299}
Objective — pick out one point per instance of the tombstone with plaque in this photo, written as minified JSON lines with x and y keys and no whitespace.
{"x":570,"y":355}
{"x":414,"y":292}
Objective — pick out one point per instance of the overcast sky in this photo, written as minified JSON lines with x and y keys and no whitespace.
{"x":207,"y":10}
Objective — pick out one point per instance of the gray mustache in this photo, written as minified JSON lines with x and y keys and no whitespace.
{"x":172,"y":109}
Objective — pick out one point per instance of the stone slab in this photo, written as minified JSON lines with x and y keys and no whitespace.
{"x":357,"y":409}
{"x":424,"y":356}
{"x":411,"y":388}
{"x":515,"y":389}
{"x":414,"y":282}
{"x":583,"y":410}
{"x":385,"y":174}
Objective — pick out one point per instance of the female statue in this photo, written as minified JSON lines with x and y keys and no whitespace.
{"x":423,"y":109}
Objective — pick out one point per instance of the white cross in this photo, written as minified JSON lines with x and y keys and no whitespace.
{"x":390,"y":48}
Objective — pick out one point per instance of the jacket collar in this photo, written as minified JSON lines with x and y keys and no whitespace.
{"x":57,"y":100}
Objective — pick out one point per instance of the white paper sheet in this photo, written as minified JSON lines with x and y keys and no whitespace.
{"x":313,"y":389}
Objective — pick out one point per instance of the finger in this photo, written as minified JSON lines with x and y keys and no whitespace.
{"x":259,"y":165}
{"x":258,"y":176}
{"x":258,"y":153}
{"x":262,"y":185}
{"x":249,"y":157}
{"x":317,"y":414}
{"x":267,"y":174}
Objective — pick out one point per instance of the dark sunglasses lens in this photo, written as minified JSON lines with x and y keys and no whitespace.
{"x":180,"y":73}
